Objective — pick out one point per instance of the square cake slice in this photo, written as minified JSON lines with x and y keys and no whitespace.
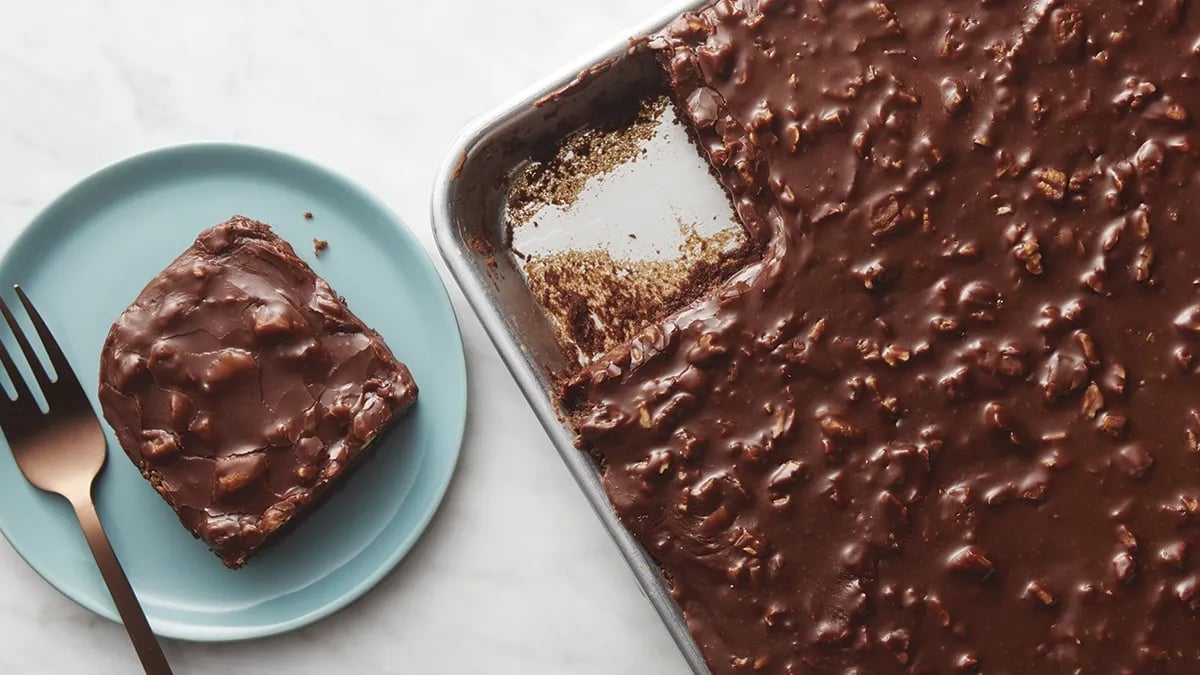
{"x":243,"y":387}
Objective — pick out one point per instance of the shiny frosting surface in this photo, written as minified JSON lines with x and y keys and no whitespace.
{"x":951,"y":421}
{"x":242,"y":386}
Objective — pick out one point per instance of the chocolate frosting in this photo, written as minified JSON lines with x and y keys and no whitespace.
{"x":242,"y":386}
{"x":951,"y":421}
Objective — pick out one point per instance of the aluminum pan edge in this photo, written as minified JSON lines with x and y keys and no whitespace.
{"x":472,"y":283}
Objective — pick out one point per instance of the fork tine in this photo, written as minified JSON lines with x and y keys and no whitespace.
{"x":62,"y":369}
{"x":19,"y":385}
{"x":35,"y":364}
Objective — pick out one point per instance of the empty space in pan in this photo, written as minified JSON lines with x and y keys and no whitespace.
{"x":620,"y":223}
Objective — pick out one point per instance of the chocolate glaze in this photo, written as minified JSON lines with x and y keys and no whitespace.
{"x":951,"y":421}
{"x":242,"y":386}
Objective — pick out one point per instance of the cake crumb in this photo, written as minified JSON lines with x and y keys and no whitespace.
{"x":319,"y":245}
{"x":480,"y":245}
{"x":458,"y":167}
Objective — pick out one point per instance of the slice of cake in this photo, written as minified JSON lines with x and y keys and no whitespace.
{"x":243,"y":387}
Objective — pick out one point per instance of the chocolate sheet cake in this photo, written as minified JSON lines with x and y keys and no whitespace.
{"x":951,"y":421}
{"x":243,"y":387}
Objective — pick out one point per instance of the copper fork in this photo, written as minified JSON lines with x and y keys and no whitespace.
{"x":62,"y":451}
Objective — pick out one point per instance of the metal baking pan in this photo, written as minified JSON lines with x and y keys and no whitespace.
{"x":470,"y":198}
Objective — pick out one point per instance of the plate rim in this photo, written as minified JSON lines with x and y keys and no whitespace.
{"x":186,"y":632}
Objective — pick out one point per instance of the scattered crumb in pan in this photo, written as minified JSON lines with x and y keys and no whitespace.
{"x":582,"y":156}
{"x":458,"y":167}
{"x":582,"y":78}
{"x":483,"y":247}
{"x":480,"y":245}
{"x":308,"y":215}
{"x":319,"y":245}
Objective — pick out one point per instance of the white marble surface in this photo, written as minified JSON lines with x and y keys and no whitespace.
{"x":505,"y":581}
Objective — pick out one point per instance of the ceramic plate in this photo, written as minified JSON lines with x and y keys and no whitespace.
{"x":90,"y":253}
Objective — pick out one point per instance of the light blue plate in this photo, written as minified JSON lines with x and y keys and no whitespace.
{"x":89,"y":254}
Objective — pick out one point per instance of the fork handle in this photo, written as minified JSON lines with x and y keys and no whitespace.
{"x":143,"y":639}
